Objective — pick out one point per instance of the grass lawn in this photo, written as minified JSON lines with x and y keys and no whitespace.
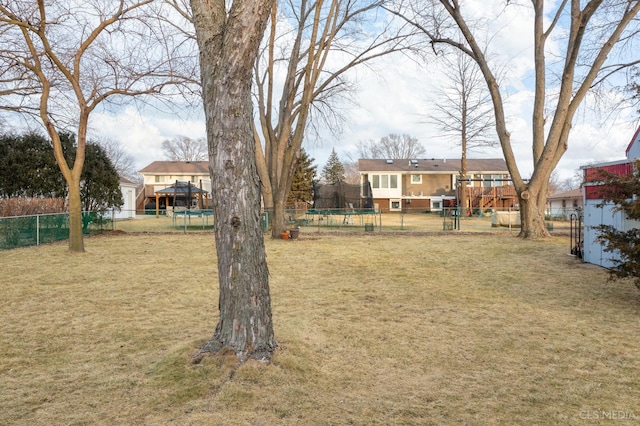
{"x":373,"y":329}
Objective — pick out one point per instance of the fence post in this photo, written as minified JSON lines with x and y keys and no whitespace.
{"x":37,"y":230}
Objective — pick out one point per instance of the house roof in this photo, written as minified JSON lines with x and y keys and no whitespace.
{"x":177,"y":168}
{"x":574,"y":193}
{"x":125,"y":180}
{"x":181,"y":188}
{"x":497,"y":165}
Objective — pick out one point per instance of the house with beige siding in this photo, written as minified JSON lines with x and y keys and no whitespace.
{"x":160,"y":175}
{"x":434,"y":184}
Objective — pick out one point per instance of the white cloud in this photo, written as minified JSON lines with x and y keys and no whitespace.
{"x":142,"y":133}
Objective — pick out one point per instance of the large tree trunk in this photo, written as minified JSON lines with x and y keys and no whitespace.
{"x":72,"y":178}
{"x":532,"y":215}
{"x":280,"y":191}
{"x":279,"y":220}
{"x":263,"y":173}
{"x":76,"y":239}
{"x":228,"y":47}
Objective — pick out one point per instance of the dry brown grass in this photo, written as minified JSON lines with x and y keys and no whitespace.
{"x":373,"y":329}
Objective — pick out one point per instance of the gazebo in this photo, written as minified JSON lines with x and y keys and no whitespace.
{"x":181,"y":191}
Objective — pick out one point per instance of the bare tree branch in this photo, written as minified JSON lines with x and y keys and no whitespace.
{"x":314,"y":44}
{"x":182,"y":148}
{"x":61,"y":60}
{"x":595,"y":32}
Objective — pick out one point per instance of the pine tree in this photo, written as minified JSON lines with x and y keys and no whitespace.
{"x":333,"y":171}
{"x":100,"y":187}
{"x":302,"y":185}
{"x":29,"y":169}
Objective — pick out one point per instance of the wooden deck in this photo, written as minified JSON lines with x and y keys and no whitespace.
{"x":492,"y":197}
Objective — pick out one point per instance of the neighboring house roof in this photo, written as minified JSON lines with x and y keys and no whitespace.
{"x":574,"y":193}
{"x":126,"y":181}
{"x":176,"y":168}
{"x":433,"y":165}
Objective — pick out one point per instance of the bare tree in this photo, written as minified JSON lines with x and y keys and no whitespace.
{"x":60,"y":60}
{"x":558,"y":184}
{"x":594,"y":33}
{"x":310,"y":47}
{"x":464,"y":113}
{"x":351,"y":172}
{"x":228,"y":35}
{"x":121,"y":160}
{"x":392,"y":146}
{"x":182,"y":148}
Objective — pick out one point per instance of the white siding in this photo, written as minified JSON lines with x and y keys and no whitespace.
{"x":605,"y":215}
{"x":634,"y":151}
{"x":128,"y":209}
{"x":381,"y":183}
{"x":634,"y":147}
{"x":556,"y":209}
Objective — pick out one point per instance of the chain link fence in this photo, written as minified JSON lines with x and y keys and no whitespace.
{"x":22,"y":231}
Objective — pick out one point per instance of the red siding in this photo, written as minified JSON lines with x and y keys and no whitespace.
{"x":594,"y":191}
{"x":621,"y":169}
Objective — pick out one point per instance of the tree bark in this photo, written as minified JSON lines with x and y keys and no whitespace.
{"x":76,"y":240}
{"x":228,"y":43}
{"x":279,"y":220}
{"x":71,"y":174}
{"x":531,"y":217}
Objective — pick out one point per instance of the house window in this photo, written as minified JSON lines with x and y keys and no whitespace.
{"x":492,"y":180}
{"x":384,"y":181}
{"x":159,"y":179}
{"x":193,"y":178}
{"x":417,"y":179}
{"x":395,"y":205}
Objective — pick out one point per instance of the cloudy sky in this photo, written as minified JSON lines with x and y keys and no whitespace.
{"x":396,"y":96}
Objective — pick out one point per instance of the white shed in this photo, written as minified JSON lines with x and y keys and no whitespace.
{"x":128,"y":209}
{"x":596,"y":212}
